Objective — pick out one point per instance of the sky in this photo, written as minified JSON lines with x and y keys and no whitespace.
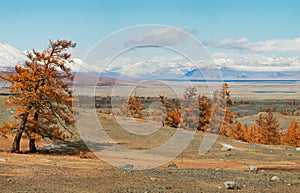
{"x":31,"y":23}
{"x":229,"y":28}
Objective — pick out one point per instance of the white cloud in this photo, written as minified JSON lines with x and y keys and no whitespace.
{"x":164,"y":36}
{"x":243,"y":44}
{"x":279,"y":45}
{"x":239,"y":44}
{"x":256,"y":62}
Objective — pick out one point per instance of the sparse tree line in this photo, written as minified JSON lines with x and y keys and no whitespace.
{"x":289,"y":113}
{"x":213,"y":115}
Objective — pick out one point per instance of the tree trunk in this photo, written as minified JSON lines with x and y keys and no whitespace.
{"x":16,"y":144}
{"x":32,"y":147}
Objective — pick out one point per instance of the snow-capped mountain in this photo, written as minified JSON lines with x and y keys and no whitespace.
{"x":151,"y":69}
{"x":235,"y":74}
{"x":10,"y":56}
{"x":277,"y":63}
{"x":240,"y":68}
{"x":174,"y":67}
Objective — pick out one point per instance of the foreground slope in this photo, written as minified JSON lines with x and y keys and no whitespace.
{"x":64,"y":171}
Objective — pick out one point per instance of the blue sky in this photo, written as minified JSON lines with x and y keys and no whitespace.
{"x":30,"y":24}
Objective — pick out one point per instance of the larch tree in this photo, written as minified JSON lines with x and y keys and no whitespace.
{"x":132,"y":107}
{"x":221,"y":116}
{"x":228,"y":122}
{"x":41,"y":95}
{"x":269,"y":129}
{"x":238,"y":132}
{"x":253,"y":135}
{"x":135,"y":107}
{"x":292,"y":136}
{"x":173,"y":111}
{"x":204,"y":113}
{"x":190,"y":109}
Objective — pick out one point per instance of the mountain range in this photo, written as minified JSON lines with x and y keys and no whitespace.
{"x":256,"y":68}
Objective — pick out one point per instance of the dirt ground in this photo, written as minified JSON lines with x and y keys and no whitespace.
{"x":62,"y":170}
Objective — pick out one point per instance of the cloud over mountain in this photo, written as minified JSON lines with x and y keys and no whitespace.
{"x":164,"y":36}
{"x":243,"y":44}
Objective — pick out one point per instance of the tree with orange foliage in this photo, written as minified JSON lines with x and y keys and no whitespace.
{"x":238,"y":132}
{"x":173,"y":110}
{"x":221,"y":116}
{"x":135,"y":107}
{"x":268,"y":129}
{"x":41,"y":95}
{"x":292,"y":136}
{"x":204,"y":113}
{"x":253,"y":134}
{"x":173,"y":117}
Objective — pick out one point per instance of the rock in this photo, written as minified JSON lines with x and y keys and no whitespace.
{"x":275,"y":179}
{"x":298,"y":149}
{"x":172,"y":165}
{"x":68,"y":179}
{"x":289,"y":154}
{"x":227,"y":147}
{"x":126,"y":166}
{"x":252,"y":169}
{"x":2,"y":160}
{"x":230,"y":185}
{"x":154,"y":179}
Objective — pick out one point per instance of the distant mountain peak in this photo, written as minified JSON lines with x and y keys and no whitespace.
{"x":10,"y":56}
